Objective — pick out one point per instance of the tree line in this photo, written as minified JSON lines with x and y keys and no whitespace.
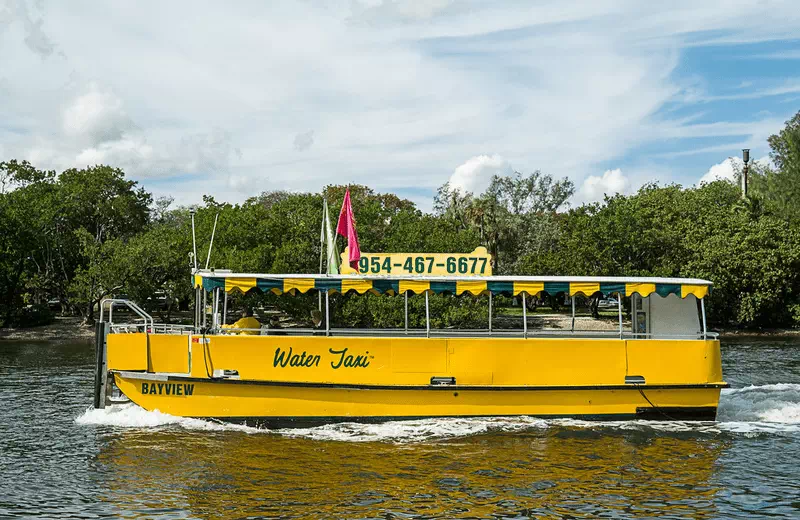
{"x":69,"y":240}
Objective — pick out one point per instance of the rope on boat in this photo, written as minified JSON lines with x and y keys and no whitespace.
{"x":656,"y":408}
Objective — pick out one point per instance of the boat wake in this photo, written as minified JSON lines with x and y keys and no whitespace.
{"x":416,"y":430}
{"x":767,"y":407}
{"x":132,"y":416}
{"x":753,"y":410}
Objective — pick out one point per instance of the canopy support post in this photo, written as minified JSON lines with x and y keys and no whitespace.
{"x":573,"y":312}
{"x":215,"y":308}
{"x":225,"y":308}
{"x":406,"y":311}
{"x":619,"y":302}
{"x":204,"y":309}
{"x":427,"y":317}
{"x":490,"y":313}
{"x":327,"y":314}
{"x":524,"y":316}
{"x":197,"y":308}
{"x":703,"y":311}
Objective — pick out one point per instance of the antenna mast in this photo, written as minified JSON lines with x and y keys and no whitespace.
{"x":194,"y":238}
{"x":211,"y":244}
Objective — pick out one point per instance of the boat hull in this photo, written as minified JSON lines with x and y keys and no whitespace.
{"x":281,"y":404}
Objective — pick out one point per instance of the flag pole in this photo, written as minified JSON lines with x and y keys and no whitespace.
{"x":321,"y":247}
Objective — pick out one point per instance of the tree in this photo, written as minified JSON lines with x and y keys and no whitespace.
{"x":162,"y":266}
{"x":776,"y":187}
{"x":508,"y":213}
{"x":97,"y":203}
{"x":28,"y":207}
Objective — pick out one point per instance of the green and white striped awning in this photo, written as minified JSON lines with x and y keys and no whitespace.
{"x":507,"y":285}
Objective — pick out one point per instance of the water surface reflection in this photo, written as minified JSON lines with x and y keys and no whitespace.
{"x":543,"y":472}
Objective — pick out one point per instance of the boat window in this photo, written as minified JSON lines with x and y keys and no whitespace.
{"x":641,"y":311}
{"x":673,"y":315}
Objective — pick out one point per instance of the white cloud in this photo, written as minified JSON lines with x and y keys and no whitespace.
{"x":475,"y":174}
{"x":303,"y":141}
{"x":96,"y":115}
{"x":721,"y":171}
{"x":725,"y":169}
{"x":396,"y":92}
{"x":124,"y":152}
{"x":35,"y":38}
{"x":610,"y":183}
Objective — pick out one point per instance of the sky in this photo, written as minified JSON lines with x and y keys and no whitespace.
{"x":234,"y":98}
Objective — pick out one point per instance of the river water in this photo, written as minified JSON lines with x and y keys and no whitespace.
{"x":60,"y":458}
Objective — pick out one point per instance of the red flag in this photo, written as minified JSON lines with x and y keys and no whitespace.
{"x":347,"y":228}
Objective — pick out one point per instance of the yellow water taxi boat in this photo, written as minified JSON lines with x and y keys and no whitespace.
{"x":661,"y":363}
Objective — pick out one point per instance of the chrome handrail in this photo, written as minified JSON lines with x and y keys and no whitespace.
{"x":131,"y":305}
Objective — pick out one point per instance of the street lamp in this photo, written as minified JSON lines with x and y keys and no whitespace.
{"x":746,"y":159}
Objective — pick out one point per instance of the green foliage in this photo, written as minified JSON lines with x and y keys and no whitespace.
{"x":384,"y":311}
{"x":779,"y":187}
{"x":510,"y":215}
{"x":707,"y":232}
{"x":90,"y":233}
{"x":29,"y":316}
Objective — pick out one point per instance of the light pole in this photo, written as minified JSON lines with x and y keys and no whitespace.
{"x":746,"y":159}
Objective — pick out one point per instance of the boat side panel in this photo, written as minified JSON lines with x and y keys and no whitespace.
{"x":538,"y":362}
{"x":501,"y":361}
{"x":127,"y":351}
{"x":169,"y":353}
{"x":671,"y":361}
{"x":222,"y":399}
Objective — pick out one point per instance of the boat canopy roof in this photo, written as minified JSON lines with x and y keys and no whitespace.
{"x":475,"y":285}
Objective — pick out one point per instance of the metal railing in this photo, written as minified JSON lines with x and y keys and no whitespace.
{"x":454,"y":333}
{"x":148,"y":325}
{"x":130,"y":305}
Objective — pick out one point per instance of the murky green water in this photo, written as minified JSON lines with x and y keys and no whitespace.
{"x":58,"y":459}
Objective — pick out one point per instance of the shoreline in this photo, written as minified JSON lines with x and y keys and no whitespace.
{"x":62,"y":329}
{"x":70,"y":329}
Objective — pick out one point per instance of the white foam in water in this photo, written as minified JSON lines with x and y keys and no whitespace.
{"x":751,"y":411}
{"x":773,"y":407}
{"x":416,"y":430}
{"x":133,"y":416}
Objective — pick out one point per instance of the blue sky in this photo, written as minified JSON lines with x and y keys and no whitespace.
{"x":231,"y":99}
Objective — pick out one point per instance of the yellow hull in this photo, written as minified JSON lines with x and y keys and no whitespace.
{"x":291,"y":380}
{"x":275,"y":404}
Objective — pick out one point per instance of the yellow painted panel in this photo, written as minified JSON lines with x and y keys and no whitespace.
{"x":311,"y":358}
{"x":241,"y":284}
{"x":169,"y":353}
{"x":198,"y":281}
{"x":476,"y":263}
{"x":528,"y":287}
{"x":360,"y":286}
{"x":200,"y":357}
{"x":713,"y":360}
{"x":200,"y":399}
{"x":127,"y":351}
{"x":585,"y":288}
{"x":700,"y":291}
{"x":675,"y":361}
{"x":301,"y":284}
{"x":498,"y":361}
{"x":471,"y":287}
{"x":415,"y":356}
{"x":541,"y":361}
{"x":415,"y":286}
{"x":643,"y":289}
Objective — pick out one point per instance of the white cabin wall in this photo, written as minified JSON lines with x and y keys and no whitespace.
{"x":674,"y":315}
